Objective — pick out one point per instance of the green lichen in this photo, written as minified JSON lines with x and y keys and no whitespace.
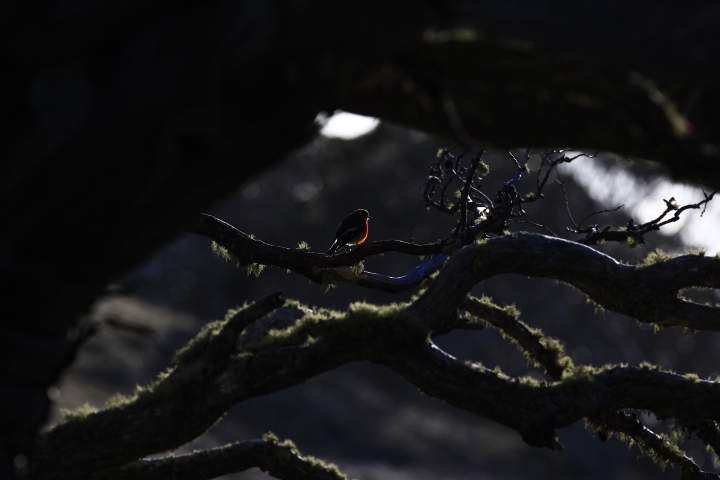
{"x":633,"y":242}
{"x":255,"y":269}
{"x":77,"y":413}
{"x":529,"y":382}
{"x":119,"y":400}
{"x":197,"y":345}
{"x":358,"y":268}
{"x":357,"y":322}
{"x":483,"y":169}
{"x":222,"y":252}
{"x":484,"y":308}
{"x":276,"y":458}
{"x":540,"y":349}
{"x":700,"y":252}
{"x":656,"y":256}
{"x":326,"y":285}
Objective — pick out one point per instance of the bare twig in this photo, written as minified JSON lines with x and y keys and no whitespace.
{"x":549,"y":164}
{"x":535,"y":224}
{"x":599,"y":212}
{"x":567,"y":204}
{"x":462,"y":224}
{"x":520,"y":168}
{"x":499,"y":213}
{"x":593,"y":233}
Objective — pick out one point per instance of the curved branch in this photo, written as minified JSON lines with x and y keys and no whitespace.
{"x":647,"y":293}
{"x":535,"y":411}
{"x":279,"y":459}
{"x":319,"y":267}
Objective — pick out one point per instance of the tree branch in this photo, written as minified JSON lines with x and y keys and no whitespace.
{"x":544,"y":351}
{"x":385,"y":283}
{"x":627,"y":424}
{"x":319,"y":267}
{"x":647,"y":293}
{"x":463,"y":223}
{"x":280,"y":459}
{"x":631,"y":232}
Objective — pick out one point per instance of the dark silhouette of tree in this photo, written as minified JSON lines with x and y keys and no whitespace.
{"x":122,"y":122}
{"x":273,"y":343}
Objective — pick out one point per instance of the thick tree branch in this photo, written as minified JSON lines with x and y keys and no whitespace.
{"x":647,"y":293}
{"x":280,"y":459}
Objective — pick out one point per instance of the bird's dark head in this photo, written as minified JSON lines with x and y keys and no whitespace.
{"x":361,"y":214}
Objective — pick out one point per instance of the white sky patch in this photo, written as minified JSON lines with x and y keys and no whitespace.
{"x":348,"y":125}
{"x":644,"y":201}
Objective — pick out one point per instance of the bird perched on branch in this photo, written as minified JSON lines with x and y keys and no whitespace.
{"x":353,"y":230}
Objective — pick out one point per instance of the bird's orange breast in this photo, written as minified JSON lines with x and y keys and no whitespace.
{"x":362,"y":236}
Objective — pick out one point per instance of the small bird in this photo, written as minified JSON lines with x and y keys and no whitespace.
{"x":353,"y":230}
